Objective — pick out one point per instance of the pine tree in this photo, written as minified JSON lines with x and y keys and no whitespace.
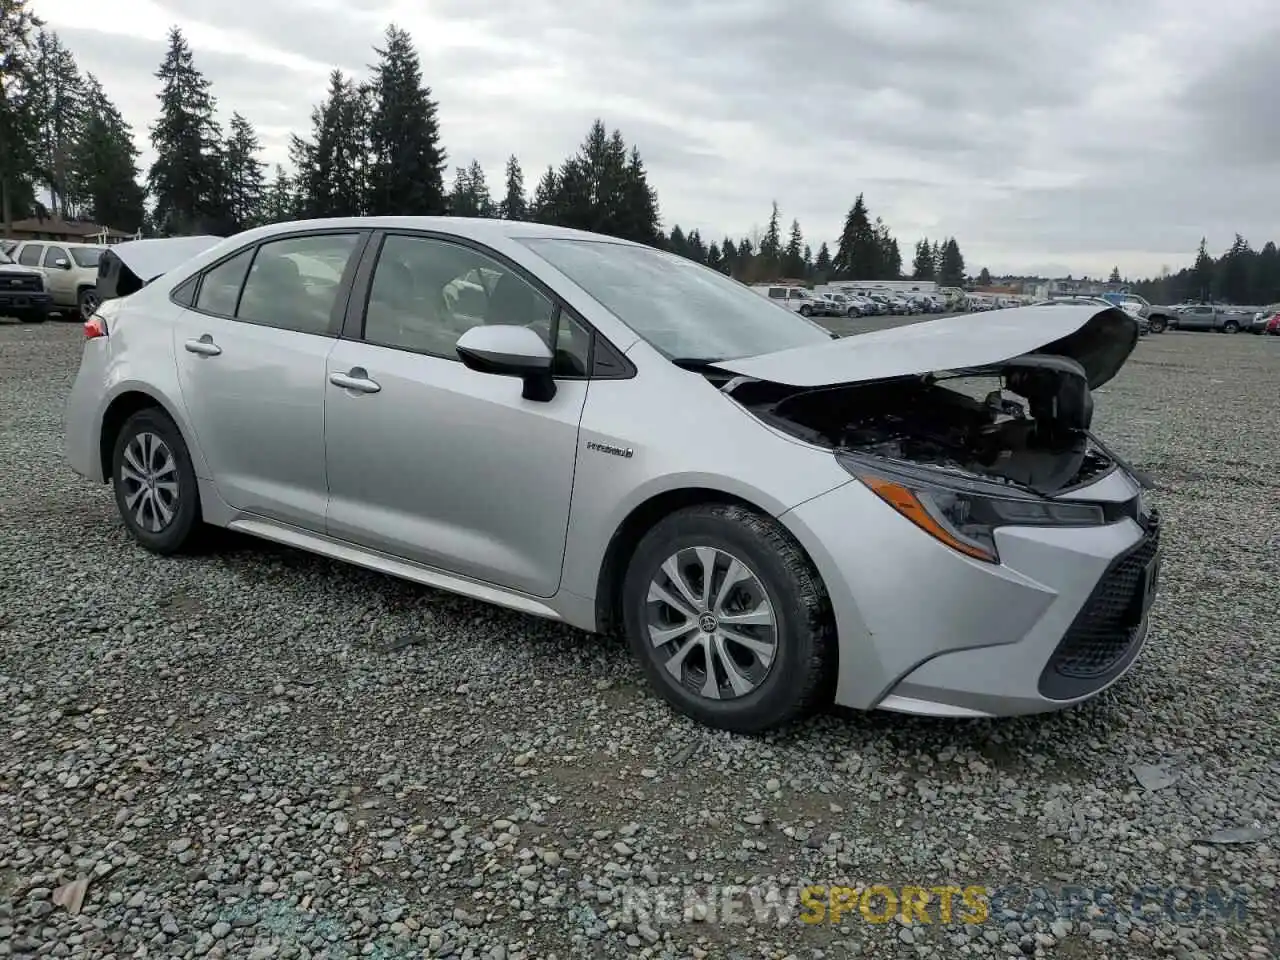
{"x":1202,"y":273}
{"x":243,"y":175}
{"x":279,"y":199}
{"x":822,"y":265}
{"x":771,"y":244}
{"x":103,"y":164}
{"x":858,"y":253}
{"x":1115,"y":275}
{"x":677,"y":243}
{"x":640,"y":219}
{"x":542,"y":207}
{"x":333,"y":168}
{"x":470,"y":195}
{"x":952,"y":272}
{"x":984,"y":278}
{"x":407,"y":161}
{"x":59,"y":100}
{"x":793,"y":255}
{"x":514,"y":206}
{"x":18,"y":128}
{"x":601,"y":188}
{"x":889,"y":257}
{"x":185,"y":177}
{"x":922,"y":264}
{"x":715,"y":257}
{"x":729,"y":257}
{"x":697,"y":249}
{"x":808,"y":260}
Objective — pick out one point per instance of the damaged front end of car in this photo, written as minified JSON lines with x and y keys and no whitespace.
{"x":962,"y":451}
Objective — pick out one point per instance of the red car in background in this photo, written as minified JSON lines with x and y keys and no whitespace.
{"x":1273,"y":325}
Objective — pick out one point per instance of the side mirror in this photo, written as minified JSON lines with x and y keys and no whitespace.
{"x":510,"y":351}
{"x":62,"y":263}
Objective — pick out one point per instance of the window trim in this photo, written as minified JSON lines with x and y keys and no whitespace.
{"x":362,"y":288}
{"x":341,"y":302}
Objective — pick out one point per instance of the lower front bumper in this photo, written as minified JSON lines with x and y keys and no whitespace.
{"x":923,"y":629}
{"x":25,"y":303}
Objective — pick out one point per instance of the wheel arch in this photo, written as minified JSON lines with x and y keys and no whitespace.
{"x":642,"y":517}
{"x":122,"y":406}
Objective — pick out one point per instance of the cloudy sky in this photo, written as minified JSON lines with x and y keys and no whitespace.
{"x":1047,"y":137}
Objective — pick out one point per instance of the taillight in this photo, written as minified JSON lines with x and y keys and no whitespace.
{"x":95,"y":327}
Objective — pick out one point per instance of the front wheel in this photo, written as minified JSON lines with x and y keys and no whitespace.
{"x":729,"y":620}
{"x":1231,"y":327}
{"x":35,"y":316}
{"x":87,"y":302}
{"x":1155,"y":325}
{"x":806,"y":311}
{"x":155,"y":484}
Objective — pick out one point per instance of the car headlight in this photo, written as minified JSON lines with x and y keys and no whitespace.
{"x":961,"y":512}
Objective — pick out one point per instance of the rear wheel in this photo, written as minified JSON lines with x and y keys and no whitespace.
{"x":729,"y":620}
{"x":1156,"y":325}
{"x":806,"y":310}
{"x":1231,"y":327}
{"x":155,"y":485}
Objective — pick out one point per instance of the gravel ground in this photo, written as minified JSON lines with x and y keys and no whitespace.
{"x":257,"y":753}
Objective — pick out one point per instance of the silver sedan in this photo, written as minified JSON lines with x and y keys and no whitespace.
{"x":605,"y":434}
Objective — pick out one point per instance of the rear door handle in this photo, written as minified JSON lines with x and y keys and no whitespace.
{"x":205,"y":346}
{"x":357,"y":378}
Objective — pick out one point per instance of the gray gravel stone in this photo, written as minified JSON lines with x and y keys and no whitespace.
{"x":242,"y":742}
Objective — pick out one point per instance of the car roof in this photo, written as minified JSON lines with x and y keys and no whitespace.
{"x":474,"y":228}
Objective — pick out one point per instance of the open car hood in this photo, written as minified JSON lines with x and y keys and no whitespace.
{"x":148,"y":259}
{"x":1100,"y":339}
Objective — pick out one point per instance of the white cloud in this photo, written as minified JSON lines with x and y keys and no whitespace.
{"x":1076,"y":136}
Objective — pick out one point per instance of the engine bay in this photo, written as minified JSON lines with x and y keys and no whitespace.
{"x":1025,"y":423}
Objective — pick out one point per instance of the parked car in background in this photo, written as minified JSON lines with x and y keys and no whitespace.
{"x":1263,"y":317}
{"x":1083,"y":301}
{"x":70,"y":272}
{"x":22,"y":292}
{"x":690,"y":460}
{"x":1212,"y":316}
{"x":843,"y":306}
{"x":796,"y":299}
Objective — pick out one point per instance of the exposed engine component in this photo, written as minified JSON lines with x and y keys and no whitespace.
{"x":1038,"y":438}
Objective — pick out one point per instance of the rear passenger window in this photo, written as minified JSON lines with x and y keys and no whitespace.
{"x":30,"y":255}
{"x":220,"y":288}
{"x":294,"y":283}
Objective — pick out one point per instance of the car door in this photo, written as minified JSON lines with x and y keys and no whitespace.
{"x":251,"y":348}
{"x":435,"y":463}
{"x":1197,"y":318}
{"x":59,"y":277}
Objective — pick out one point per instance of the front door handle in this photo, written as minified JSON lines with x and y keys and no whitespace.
{"x":357,"y":378}
{"x":205,"y":346}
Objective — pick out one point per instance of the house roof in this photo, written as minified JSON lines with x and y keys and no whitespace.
{"x":65,"y":228}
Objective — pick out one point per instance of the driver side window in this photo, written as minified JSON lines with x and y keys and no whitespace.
{"x":426,"y":293}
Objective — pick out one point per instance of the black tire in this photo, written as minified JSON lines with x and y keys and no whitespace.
{"x":1156,"y":325}
{"x":182,"y":532}
{"x":1231,"y":327}
{"x":851,"y":312}
{"x":801,"y":677}
{"x":806,"y":311}
{"x":86,"y":302}
{"x":36,"y":316}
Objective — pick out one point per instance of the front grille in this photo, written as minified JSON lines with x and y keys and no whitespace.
{"x":20,"y":284}
{"x":1105,"y":629}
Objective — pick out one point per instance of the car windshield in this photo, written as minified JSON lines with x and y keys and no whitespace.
{"x":5,"y":258}
{"x":684,"y":310}
{"x":86,"y":256}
